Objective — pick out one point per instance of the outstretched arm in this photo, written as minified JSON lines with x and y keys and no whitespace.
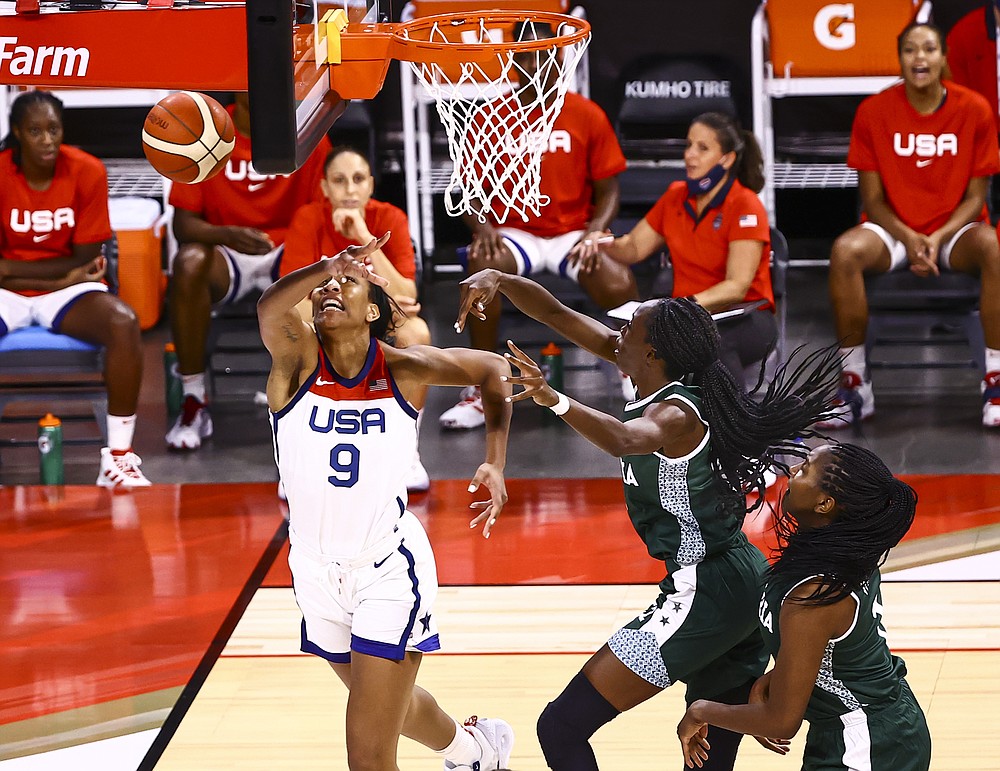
{"x":287,"y":337}
{"x":805,"y":632}
{"x":479,"y":289}
{"x":427,"y":365}
{"x":663,"y":426}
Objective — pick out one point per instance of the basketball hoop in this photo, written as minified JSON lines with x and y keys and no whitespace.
{"x":497,"y":98}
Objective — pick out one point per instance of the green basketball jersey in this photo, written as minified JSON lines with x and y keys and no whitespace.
{"x":674,"y":503}
{"x":857,"y":670}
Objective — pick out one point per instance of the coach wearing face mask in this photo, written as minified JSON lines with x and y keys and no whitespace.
{"x":716,"y":230}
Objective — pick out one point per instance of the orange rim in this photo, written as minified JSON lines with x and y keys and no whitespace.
{"x":411,"y":43}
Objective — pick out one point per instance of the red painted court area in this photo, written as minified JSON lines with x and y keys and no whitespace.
{"x":105,"y":596}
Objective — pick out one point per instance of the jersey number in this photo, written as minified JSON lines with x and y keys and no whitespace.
{"x":344,"y":460}
{"x":877,"y":609}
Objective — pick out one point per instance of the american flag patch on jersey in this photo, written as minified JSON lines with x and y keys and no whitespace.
{"x":380,"y":384}
{"x":748,"y":221}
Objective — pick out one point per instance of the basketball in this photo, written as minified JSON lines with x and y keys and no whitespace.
{"x":187,"y":137}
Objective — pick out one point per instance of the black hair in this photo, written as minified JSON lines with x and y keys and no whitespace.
{"x":339,"y":150}
{"x":390,"y":315}
{"x":18,"y":113}
{"x":873,"y":510}
{"x":901,"y":38}
{"x":750,"y":432}
{"x":749,"y":165}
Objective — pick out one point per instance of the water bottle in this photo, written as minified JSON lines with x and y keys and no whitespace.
{"x":50,"y":457}
{"x":172,"y":381}
{"x":551,"y":364}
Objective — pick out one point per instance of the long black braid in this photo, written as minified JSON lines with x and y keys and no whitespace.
{"x":749,"y":432}
{"x":18,"y":112}
{"x":874,"y":510}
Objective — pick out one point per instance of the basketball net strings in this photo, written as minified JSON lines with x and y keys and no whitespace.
{"x":497,"y":128}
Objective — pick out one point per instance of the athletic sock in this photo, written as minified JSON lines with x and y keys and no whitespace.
{"x":194,"y":385}
{"x":853,"y":360}
{"x":992,"y":360}
{"x":120,"y":432}
{"x":464,"y":750}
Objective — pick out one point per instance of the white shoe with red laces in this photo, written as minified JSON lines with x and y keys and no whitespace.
{"x":120,"y":469}
{"x":991,"y":400}
{"x":855,"y":402}
{"x":496,"y":740}
{"x":468,"y":413}
{"x":192,"y":425}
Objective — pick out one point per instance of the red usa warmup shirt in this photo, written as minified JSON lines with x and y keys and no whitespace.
{"x":238,"y":195}
{"x":45,"y":224}
{"x":925,"y":161}
{"x":312,"y":236}
{"x":699,"y":248}
{"x":582,"y":149}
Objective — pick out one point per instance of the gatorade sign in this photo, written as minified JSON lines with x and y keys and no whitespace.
{"x":834,"y":27}
{"x":817,"y":38}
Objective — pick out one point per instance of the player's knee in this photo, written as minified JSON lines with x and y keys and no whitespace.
{"x":369,"y":753}
{"x":572,"y":718}
{"x":122,"y":323}
{"x":414,"y":331}
{"x":191,"y":260}
{"x":849,"y":252}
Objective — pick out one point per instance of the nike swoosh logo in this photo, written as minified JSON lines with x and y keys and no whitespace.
{"x":380,"y":564}
{"x":39,"y":239}
{"x":256,"y":186}
{"x":927,"y":162}
{"x":320,"y":381}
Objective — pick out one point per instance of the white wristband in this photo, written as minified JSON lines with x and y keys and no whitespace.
{"x":561,"y":407}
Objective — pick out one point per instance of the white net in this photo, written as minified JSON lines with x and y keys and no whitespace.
{"x":498,"y":115}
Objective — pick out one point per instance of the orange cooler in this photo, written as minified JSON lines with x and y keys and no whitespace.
{"x":819,"y":38}
{"x":140,"y":273}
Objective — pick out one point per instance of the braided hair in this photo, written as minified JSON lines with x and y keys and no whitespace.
{"x":18,"y":113}
{"x":874,"y":511}
{"x":750,"y":432}
{"x":749,"y":165}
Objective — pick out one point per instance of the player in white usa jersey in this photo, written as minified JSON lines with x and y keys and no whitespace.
{"x":364,"y":571}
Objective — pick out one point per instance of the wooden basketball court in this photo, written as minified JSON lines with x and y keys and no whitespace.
{"x":172,"y":607}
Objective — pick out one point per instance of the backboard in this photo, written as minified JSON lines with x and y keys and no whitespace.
{"x":272,"y":48}
{"x":292,"y":104}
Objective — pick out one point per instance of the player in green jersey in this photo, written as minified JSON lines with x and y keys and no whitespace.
{"x":689,"y":455}
{"x":821,"y":618}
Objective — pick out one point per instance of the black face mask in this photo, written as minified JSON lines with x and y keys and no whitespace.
{"x":701,"y":185}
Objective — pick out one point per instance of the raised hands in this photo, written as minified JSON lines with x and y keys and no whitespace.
{"x":354,"y":262}
{"x":534,"y":383}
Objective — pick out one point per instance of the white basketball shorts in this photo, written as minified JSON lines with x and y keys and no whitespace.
{"x":380,"y":602}
{"x":45,"y":310}
{"x":535,"y":254}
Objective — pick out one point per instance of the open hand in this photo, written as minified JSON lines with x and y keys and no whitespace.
{"x":491,"y":476}
{"x":487,"y":244}
{"x":693,"y":735}
{"x":354,"y":262}
{"x":534,"y":383}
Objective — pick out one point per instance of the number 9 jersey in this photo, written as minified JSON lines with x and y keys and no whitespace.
{"x":343,"y":449}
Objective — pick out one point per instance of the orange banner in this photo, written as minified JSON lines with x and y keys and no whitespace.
{"x":816,"y":38}
{"x":201,"y":49}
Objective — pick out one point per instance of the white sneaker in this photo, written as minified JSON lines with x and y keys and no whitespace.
{"x":468,"y":413}
{"x":855,"y":402}
{"x":496,"y":740}
{"x":628,"y":389}
{"x":991,"y":400}
{"x":120,"y":470}
{"x":192,"y":425}
{"x":417,"y":480}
